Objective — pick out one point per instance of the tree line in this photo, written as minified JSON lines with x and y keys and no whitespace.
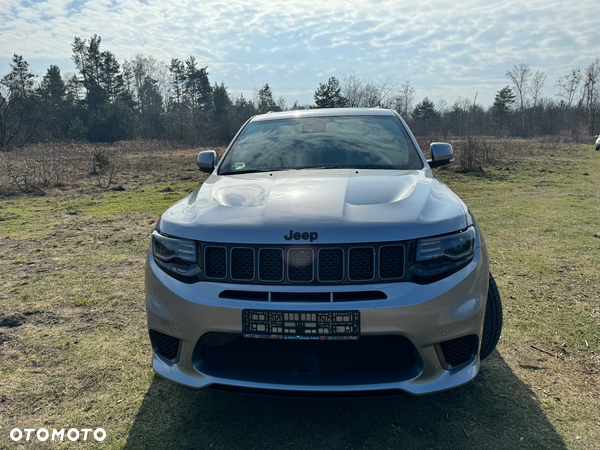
{"x":142,"y":98}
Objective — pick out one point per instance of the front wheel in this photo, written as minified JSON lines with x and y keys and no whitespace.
{"x":492,"y":324}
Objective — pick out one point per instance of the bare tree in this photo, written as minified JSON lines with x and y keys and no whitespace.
{"x":387,"y":90}
{"x":568,"y":85}
{"x":361,"y":92}
{"x":282,"y":104}
{"x":147,"y":82}
{"x":519,"y":76}
{"x":370,"y":95}
{"x":458,"y":113}
{"x":353,"y":89}
{"x":442,"y":106}
{"x":404,"y":100}
{"x":141,"y":67}
{"x":535,"y":87}
{"x":591,"y":91}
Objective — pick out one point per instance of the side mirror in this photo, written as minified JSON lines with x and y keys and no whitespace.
{"x":206,"y":161}
{"x":441,"y":154}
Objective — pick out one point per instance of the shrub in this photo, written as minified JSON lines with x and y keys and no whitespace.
{"x":33,"y":168}
{"x":105,"y":167}
{"x":474,"y":151}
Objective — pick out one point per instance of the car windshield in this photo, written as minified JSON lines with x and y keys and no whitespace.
{"x":374,"y":142}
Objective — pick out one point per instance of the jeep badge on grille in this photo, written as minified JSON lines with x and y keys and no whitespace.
{"x":313,"y":236}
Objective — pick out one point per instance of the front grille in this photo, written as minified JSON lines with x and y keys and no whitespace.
{"x":242,"y":264}
{"x":165,"y":345}
{"x":331,"y":264}
{"x":300,"y":264}
{"x":458,"y":351}
{"x":310,"y":265}
{"x":362,"y":264}
{"x":368,"y":355}
{"x":216,"y":262}
{"x":270,"y":264}
{"x":391,"y":262}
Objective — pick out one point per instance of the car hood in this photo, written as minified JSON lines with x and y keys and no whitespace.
{"x":340,"y":205}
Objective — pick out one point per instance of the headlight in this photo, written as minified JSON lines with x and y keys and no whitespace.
{"x":169,"y":249}
{"x":453,"y":247}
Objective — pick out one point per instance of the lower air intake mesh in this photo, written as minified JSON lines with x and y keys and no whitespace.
{"x":165,"y":345}
{"x":368,"y":355}
{"x":458,"y":351}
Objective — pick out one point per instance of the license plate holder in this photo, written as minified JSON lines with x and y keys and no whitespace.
{"x":301,"y":325}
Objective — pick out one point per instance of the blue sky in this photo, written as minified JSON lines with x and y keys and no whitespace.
{"x":445,"y":49}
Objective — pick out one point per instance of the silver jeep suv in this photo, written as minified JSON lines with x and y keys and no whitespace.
{"x":322,"y":254}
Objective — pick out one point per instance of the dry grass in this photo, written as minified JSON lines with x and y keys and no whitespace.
{"x":66,"y":167}
{"x":74,"y":350}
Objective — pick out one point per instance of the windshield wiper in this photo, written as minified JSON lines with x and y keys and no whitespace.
{"x":320,"y":167}
{"x":238,"y":172}
{"x":348,"y":167}
{"x":382,"y":166}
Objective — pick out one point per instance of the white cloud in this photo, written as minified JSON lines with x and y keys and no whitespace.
{"x":444,"y":48}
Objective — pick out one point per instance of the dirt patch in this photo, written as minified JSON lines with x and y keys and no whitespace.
{"x":76,"y":319}
{"x":555,"y":375}
{"x":11,"y":320}
{"x":3,"y":338}
{"x":44,"y":338}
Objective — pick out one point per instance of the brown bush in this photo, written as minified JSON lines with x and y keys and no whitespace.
{"x":37,"y":167}
{"x":45,"y":166}
{"x":473,"y":152}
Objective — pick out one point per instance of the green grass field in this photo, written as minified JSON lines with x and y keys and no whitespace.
{"x":74,"y":351}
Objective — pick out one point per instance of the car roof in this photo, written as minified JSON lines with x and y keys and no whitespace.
{"x":323,"y":112}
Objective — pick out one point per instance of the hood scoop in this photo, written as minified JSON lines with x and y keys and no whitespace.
{"x":381,"y":191}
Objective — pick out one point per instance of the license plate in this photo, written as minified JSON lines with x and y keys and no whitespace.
{"x":301,"y":325}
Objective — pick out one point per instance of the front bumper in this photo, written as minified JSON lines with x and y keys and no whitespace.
{"x":424,"y":314}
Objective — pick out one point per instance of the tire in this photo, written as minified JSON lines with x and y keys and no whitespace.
{"x":492,"y":324}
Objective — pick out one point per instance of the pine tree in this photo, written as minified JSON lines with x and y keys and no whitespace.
{"x":89,"y":62}
{"x":20,"y":113}
{"x":222,"y":124}
{"x":502,"y":106}
{"x":53,"y":93}
{"x":265,"y":100}
{"x":329,"y":95}
{"x":425,"y":112}
{"x":152,"y":113}
{"x":197,"y":87}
